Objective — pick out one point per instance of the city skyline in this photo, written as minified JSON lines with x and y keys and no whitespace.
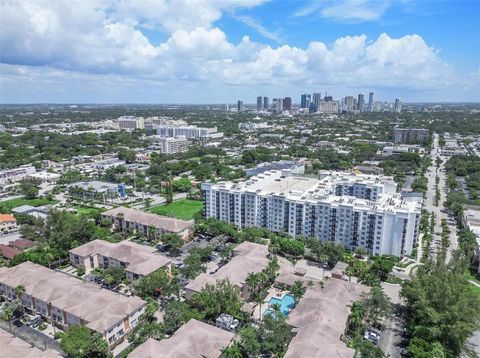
{"x":213,"y":52}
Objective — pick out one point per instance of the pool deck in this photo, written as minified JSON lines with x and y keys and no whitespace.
{"x":271,"y":293}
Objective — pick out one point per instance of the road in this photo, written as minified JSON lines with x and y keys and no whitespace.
{"x":11,"y":236}
{"x":392,"y":341}
{"x":430,"y":200}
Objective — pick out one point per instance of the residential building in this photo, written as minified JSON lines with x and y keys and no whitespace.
{"x":370,"y":102}
{"x":170,"y":145}
{"x":361,"y":102}
{"x":240,"y":106}
{"x":266,"y":104}
{"x":10,"y":176}
{"x":9,"y":252}
{"x":291,"y":165}
{"x":7,"y":223}
{"x":320,"y":320}
{"x":189,"y":132}
{"x":45,"y":177}
{"x":287,"y":103}
{"x":317,"y":98}
{"x":305,"y":101}
{"x":328,"y":107}
{"x":277,"y":105}
{"x":130,"y":123}
{"x":137,"y":260}
{"x":354,"y":210}
{"x":398,"y":106}
{"x":105,"y":164}
{"x":193,"y":339}
{"x":410,"y":135}
{"x":141,"y":222}
{"x":13,"y":347}
{"x":65,"y":300}
{"x":349,"y":104}
{"x":248,"y":257}
{"x":259,"y":103}
{"x":251,"y":126}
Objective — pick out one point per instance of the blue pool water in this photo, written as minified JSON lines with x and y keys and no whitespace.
{"x":286,"y":304}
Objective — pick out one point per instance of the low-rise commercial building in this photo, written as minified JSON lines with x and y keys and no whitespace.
{"x":193,"y":339}
{"x":10,"y":176}
{"x":97,"y":191}
{"x":137,"y":260}
{"x":130,"y":123}
{"x":65,"y":300}
{"x":141,"y":222}
{"x":354,"y":210}
{"x":471,"y":221}
{"x":388,"y":151}
{"x":249,"y":257}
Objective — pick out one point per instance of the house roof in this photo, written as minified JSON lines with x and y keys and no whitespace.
{"x":250,"y":257}
{"x":13,"y":347}
{"x":100,"y":308}
{"x":149,"y":219}
{"x":7,"y":218}
{"x":22,"y":243}
{"x":320,"y":318}
{"x":141,"y":259}
{"x":193,"y":339}
{"x":9,"y":252}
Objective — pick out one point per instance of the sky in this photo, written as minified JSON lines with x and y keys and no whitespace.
{"x":162,"y":51}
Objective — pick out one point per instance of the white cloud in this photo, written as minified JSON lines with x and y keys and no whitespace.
{"x":347,"y":10}
{"x":90,"y":40}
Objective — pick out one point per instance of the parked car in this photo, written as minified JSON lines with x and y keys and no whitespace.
{"x":372,"y":336}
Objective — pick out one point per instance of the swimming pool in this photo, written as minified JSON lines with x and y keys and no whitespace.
{"x":286,"y":304}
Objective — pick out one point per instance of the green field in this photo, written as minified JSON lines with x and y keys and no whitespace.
{"x":8,"y":205}
{"x":181,"y":209}
{"x":87,"y":209}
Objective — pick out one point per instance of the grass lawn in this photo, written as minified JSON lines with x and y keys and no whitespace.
{"x":87,"y":209}
{"x":181,"y":209}
{"x":8,"y":205}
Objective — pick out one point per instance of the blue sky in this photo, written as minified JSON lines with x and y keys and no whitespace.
{"x":219,"y":51}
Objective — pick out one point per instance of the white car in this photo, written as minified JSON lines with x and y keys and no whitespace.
{"x":372,"y":336}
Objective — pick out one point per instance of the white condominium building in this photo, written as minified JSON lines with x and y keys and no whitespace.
{"x":190,"y":132}
{"x":169,"y":145}
{"x":130,"y":123}
{"x":345,"y":208}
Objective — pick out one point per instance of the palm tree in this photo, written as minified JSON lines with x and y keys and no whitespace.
{"x":276,"y":308}
{"x":252,"y":281}
{"x":259,"y":301}
{"x":19,"y":291}
{"x":233,"y":351}
{"x":297,"y":290}
{"x":7,"y":315}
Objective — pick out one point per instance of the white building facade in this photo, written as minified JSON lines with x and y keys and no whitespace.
{"x":347,"y":209}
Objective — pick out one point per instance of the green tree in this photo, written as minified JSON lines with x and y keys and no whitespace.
{"x":223,"y":297}
{"x":7,"y":315}
{"x":153,"y":284}
{"x":298,"y":290}
{"x":78,"y":341}
{"x":178,"y":313}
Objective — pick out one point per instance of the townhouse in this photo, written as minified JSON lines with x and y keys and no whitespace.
{"x":140,"y":222}
{"x":248,"y":257}
{"x":137,"y":260}
{"x":64,"y":300}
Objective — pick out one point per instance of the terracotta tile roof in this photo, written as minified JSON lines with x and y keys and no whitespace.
{"x":149,"y":219}
{"x":193,"y":339}
{"x":100,"y":308}
{"x":22,"y":244}
{"x":13,"y":347}
{"x":7,"y":218}
{"x":9,"y":252}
